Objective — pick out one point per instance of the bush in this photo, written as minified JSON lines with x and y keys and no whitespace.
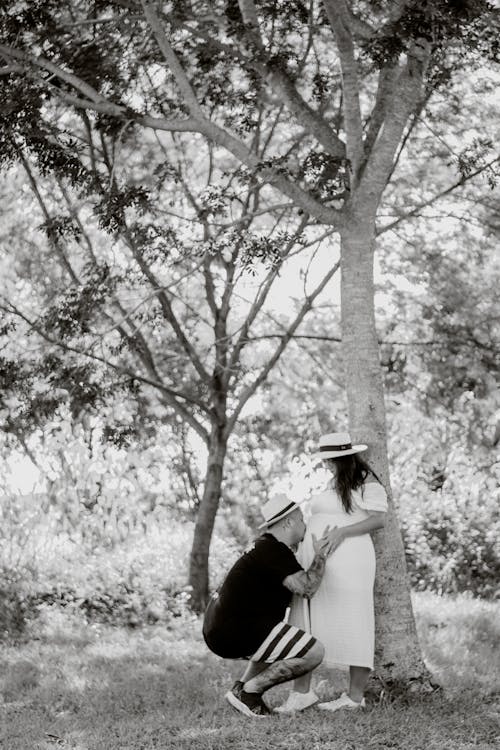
{"x":138,"y":581}
{"x":452,"y":541}
{"x":14,"y":601}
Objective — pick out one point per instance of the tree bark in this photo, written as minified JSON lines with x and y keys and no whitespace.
{"x":398,"y":656}
{"x":198,"y":566}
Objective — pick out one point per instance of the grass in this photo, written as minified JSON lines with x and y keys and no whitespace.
{"x":88,"y":687}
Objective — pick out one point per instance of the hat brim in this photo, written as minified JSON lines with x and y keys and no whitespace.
{"x":338,"y":454}
{"x":275,"y":520}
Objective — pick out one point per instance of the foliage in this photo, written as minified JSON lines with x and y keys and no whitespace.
{"x":447,"y":489}
{"x":15,"y":592}
{"x":130,"y":570}
{"x":451,"y":541}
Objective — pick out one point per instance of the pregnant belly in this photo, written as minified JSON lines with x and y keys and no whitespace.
{"x":354,"y":556}
{"x":319,"y":521}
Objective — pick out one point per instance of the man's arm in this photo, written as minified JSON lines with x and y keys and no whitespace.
{"x":306,"y":582}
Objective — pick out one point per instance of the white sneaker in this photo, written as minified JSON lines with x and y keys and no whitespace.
{"x":297,"y":702}
{"x":343,"y":702}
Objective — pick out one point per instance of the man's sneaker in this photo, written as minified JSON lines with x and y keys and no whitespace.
{"x":343,"y":702}
{"x":250,"y":704}
{"x":297,"y":702}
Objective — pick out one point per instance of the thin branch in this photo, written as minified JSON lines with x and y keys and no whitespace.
{"x":74,"y":213}
{"x":414,"y":211}
{"x":250,"y":18}
{"x":415,"y":119}
{"x":285,"y":339}
{"x":360,"y":28}
{"x":308,"y":118}
{"x":259,"y":301}
{"x":53,"y":240}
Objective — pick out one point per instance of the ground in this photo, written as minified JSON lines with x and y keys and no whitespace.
{"x":86,"y":687}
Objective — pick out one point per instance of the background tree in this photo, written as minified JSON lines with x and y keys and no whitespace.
{"x":168,"y":314}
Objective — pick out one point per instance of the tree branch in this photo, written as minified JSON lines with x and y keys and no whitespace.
{"x":301,"y":198}
{"x":285,"y":90}
{"x":339,"y":18}
{"x":386,"y":81}
{"x":172,"y":60}
{"x":406,"y":96}
{"x":167,"y":310}
{"x":95,"y":101}
{"x":308,"y":118}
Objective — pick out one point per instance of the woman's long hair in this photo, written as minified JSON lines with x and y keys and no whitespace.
{"x":352,"y":473}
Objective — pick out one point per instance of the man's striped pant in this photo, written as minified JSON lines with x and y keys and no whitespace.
{"x":284,"y":642}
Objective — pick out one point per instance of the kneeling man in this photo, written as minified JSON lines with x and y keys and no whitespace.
{"x":245,"y":619}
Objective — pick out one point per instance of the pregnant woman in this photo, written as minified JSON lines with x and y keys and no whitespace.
{"x":341,"y":612}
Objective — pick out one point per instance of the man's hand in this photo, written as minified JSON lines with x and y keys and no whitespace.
{"x":322,"y":545}
{"x":335,"y":538}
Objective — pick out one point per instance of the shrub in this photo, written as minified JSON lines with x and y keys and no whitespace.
{"x":452,"y":541}
{"x":140,"y":580}
{"x":14,"y":601}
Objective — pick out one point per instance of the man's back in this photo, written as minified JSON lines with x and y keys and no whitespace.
{"x":252,"y":599}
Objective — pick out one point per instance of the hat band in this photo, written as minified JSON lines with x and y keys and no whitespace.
{"x":280,"y":513}
{"x":346,"y":447}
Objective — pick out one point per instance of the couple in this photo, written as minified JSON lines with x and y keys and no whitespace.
{"x":334,"y":579}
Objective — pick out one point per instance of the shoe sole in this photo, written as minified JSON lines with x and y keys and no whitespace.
{"x":326,"y":707}
{"x":242,"y":707}
{"x":280,"y":710}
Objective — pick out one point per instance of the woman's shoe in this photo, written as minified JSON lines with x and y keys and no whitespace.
{"x":297,"y":702}
{"x":343,"y":702}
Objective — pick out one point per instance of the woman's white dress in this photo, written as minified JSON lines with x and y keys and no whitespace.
{"x":341,"y":612}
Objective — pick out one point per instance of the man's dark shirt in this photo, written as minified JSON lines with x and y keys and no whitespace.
{"x":252,"y":599}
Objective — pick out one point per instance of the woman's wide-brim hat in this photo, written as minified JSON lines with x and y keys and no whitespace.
{"x":337,"y":444}
{"x":277,"y":507}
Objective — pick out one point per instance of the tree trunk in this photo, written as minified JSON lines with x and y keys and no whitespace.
{"x":198,"y":567}
{"x":398,"y":655}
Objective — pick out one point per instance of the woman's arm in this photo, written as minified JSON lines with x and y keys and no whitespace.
{"x":375,"y":520}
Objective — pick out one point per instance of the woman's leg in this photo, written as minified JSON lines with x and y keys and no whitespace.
{"x":358,"y":679}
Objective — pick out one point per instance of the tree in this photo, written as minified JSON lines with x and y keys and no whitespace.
{"x":158,"y":321}
{"x":334,"y":134}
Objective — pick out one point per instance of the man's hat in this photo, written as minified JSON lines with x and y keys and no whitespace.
{"x":277,"y":508}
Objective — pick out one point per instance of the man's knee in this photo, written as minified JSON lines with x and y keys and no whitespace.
{"x":315,"y":654}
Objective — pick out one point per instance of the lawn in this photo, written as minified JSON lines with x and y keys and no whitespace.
{"x":88,"y":687}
